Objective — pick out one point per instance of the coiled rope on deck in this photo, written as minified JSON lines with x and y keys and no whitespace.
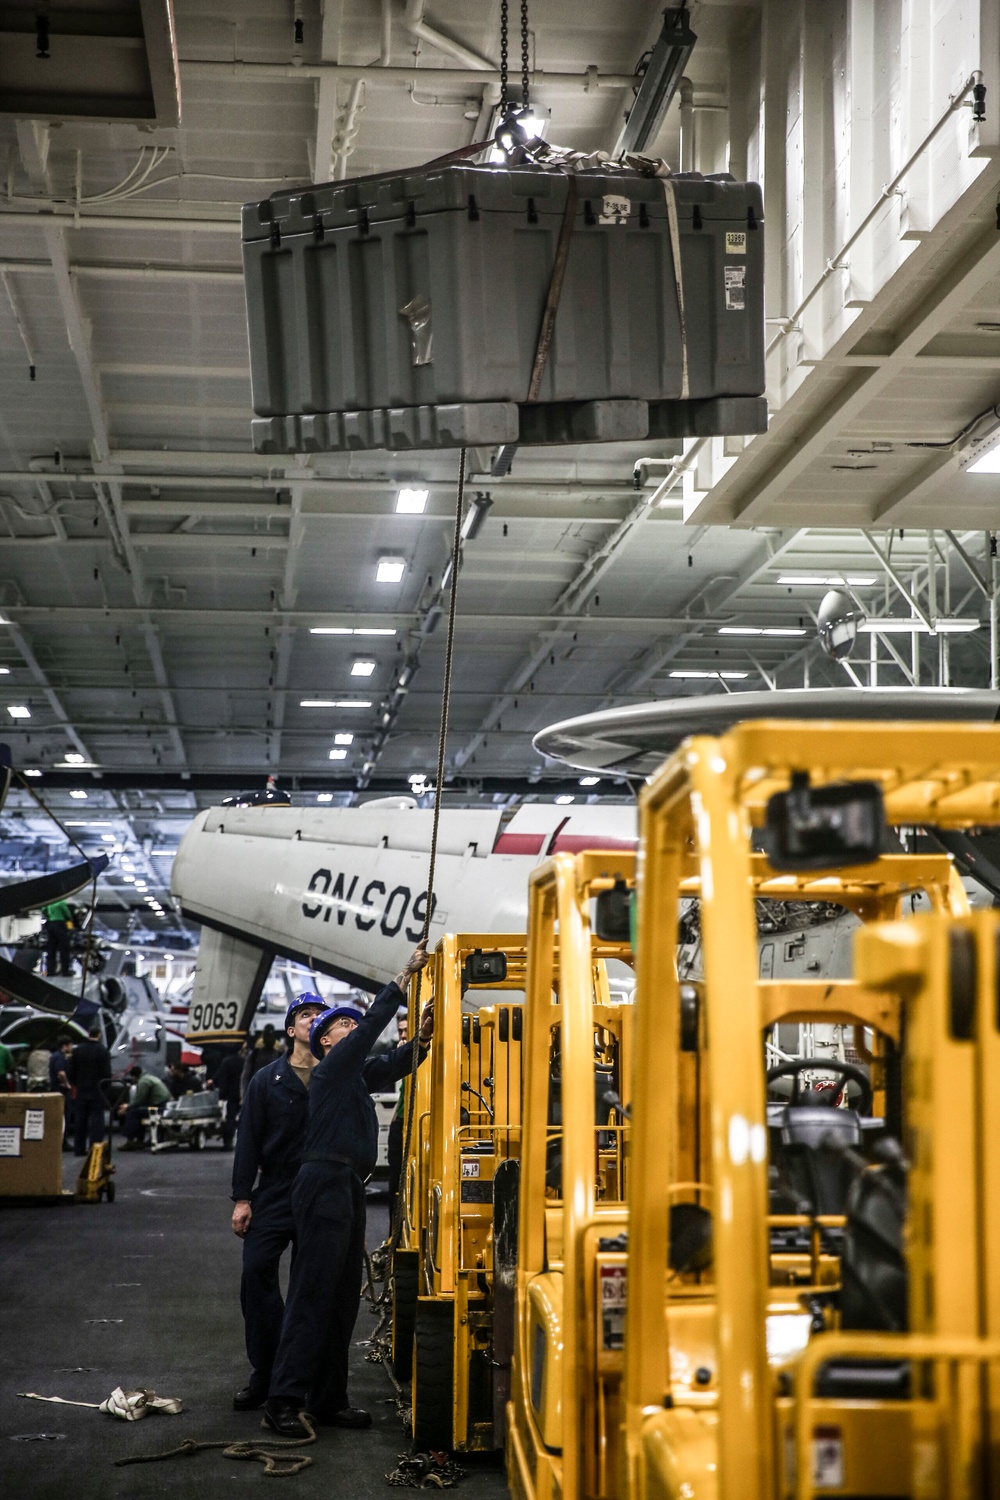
{"x":277,"y":1464}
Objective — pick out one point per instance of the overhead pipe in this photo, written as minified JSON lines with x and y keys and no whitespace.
{"x":478,"y":70}
{"x":420,"y":30}
{"x":385,"y":32}
{"x":347,"y":130}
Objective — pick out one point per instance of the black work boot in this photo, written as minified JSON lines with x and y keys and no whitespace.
{"x":282,"y":1416}
{"x":348,"y":1416}
{"x":252,"y":1396}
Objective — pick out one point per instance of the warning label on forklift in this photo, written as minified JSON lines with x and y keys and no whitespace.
{"x":736,"y":280}
{"x":612,"y":1284}
{"x":470,"y":1166}
{"x":828,"y":1458}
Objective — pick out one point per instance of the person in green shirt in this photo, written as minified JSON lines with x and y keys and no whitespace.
{"x":6,"y":1068}
{"x":149,"y":1092}
{"x":58,"y":926}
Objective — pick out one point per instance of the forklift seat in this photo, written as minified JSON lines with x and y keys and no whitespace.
{"x":814,"y":1144}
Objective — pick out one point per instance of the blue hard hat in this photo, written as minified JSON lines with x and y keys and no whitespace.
{"x":306,"y":998}
{"x":325,"y":1021}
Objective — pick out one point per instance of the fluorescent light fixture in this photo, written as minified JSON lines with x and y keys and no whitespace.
{"x":142,"y":885}
{"x":589,"y":780}
{"x":343,"y":739}
{"x":362,"y":668}
{"x":761,"y":630}
{"x":409,"y":503}
{"x":4,"y":671}
{"x":79,"y":796}
{"x":18,"y":711}
{"x":73,"y":765}
{"x":128,"y":879}
{"x":4,"y":621}
{"x":338,"y":754}
{"x":726,"y":676}
{"x":108,"y":838}
{"x":74,"y":758}
{"x":987,"y":463}
{"x":335,"y":702}
{"x":565,"y":799}
{"x":325,"y":797}
{"x":349,"y":630}
{"x":33,"y":772}
{"x":390,"y":569}
{"x":830,"y":580}
{"x":894,"y":625}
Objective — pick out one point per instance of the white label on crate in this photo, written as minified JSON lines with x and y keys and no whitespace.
{"x":736,"y":243}
{"x":34,"y":1124}
{"x":736,"y":277}
{"x":616,"y":209}
{"x":10,"y":1140}
{"x":828,"y":1458}
{"x":470,"y":1167}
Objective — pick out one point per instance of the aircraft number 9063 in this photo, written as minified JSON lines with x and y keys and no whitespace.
{"x":213,"y":1015}
{"x":340,"y":896}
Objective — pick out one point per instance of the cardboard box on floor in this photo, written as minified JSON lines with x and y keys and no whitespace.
{"x":31,"y":1134}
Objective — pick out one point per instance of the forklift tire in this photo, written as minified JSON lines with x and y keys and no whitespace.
{"x":433,"y":1380}
{"x":109,"y":1192}
{"x":404,"y":1306}
{"x":197,"y":1140}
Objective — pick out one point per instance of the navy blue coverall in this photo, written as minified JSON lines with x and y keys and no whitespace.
{"x":328,"y":1207}
{"x":269,"y":1141}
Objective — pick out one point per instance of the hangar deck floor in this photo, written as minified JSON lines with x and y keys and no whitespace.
{"x":144,"y":1293}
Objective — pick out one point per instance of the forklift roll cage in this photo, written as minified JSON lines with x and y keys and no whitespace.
{"x":702,"y":805}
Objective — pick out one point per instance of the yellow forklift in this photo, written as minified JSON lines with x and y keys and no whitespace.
{"x":453,"y":1301}
{"x":740,"y":1381}
{"x":565,"y":1425}
{"x":466,"y":1124}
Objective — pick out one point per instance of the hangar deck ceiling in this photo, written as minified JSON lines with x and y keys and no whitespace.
{"x":161,"y":585}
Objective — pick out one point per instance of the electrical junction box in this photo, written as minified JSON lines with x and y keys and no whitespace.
{"x":404,"y":310}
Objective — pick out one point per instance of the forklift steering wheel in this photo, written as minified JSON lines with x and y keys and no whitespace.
{"x":846,"y":1071}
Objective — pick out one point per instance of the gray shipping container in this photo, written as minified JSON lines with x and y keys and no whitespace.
{"x":427,"y":289}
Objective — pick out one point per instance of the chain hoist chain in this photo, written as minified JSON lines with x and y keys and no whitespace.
{"x":503,"y":58}
{"x":524,"y":53}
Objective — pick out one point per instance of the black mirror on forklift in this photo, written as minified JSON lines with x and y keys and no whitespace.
{"x":824,"y":828}
{"x":484,"y":968}
{"x":613,"y":914}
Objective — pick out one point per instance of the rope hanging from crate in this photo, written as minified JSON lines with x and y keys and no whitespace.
{"x":396,"y":1228}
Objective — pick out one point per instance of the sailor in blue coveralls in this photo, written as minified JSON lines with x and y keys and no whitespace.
{"x":271,"y":1135}
{"x":328,"y":1206}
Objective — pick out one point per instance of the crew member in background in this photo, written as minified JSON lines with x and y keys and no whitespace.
{"x":88,"y":1070}
{"x":181,"y":1081}
{"x":58,"y":926}
{"x":227,"y":1079}
{"x":328,"y":1206}
{"x":271,"y":1135}
{"x":149,"y":1092}
{"x":59,"y":1084}
{"x":7,"y":1079}
{"x":262,"y":1053}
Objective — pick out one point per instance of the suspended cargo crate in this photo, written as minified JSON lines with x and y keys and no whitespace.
{"x":472,"y":305}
